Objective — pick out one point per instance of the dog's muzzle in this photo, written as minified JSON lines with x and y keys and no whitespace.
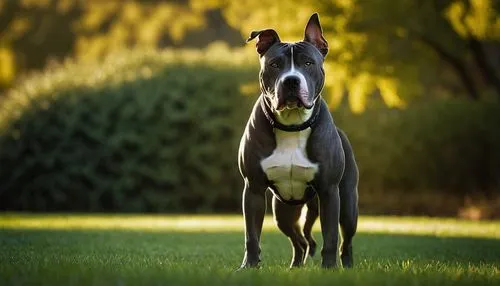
{"x":290,"y":94}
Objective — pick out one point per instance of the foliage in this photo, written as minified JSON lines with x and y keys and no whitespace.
{"x":427,"y":159}
{"x":88,"y":30}
{"x":155,"y":256}
{"x":401,"y":49}
{"x":142,"y":132}
{"x":449,"y":145}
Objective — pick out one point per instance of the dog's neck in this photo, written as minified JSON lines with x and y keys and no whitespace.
{"x":293,"y":116}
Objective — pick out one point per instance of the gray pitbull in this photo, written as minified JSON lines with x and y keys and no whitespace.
{"x":292,"y":147}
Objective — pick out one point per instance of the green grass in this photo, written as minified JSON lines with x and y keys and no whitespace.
{"x":200,"y":250}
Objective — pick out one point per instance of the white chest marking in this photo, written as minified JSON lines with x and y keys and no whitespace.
{"x":288,"y":166}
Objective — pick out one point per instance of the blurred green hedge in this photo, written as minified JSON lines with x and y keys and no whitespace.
{"x":146,"y":133}
{"x":159,"y":131}
{"x":430,"y":158}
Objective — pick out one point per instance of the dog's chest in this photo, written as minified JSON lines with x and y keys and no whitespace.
{"x":288,"y":166}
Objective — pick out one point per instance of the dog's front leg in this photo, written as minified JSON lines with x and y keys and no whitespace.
{"x":329,"y":212}
{"x":254,"y":209}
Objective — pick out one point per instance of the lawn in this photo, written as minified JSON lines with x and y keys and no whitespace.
{"x":201,"y":250}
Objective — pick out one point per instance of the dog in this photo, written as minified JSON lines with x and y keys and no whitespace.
{"x":292,"y":147}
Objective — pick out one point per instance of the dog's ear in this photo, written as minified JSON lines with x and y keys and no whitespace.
{"x":265,"y":39}
{"x":314,"y":34}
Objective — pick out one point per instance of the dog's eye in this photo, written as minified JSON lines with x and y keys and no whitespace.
{"x":274,"y":65}
{"x":308,"y":63}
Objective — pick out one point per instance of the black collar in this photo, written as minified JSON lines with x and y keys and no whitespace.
{"x":294,"y":127}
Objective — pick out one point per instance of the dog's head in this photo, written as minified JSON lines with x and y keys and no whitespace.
{"x":291,"y":74}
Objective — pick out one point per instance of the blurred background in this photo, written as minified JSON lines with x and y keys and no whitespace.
{"x":138,"y":106}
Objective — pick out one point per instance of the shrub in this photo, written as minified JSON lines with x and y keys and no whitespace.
{"x":427,"y":158}
{"x":165,"y":141}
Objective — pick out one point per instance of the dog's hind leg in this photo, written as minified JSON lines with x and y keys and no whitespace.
{"x":311,"y":216}
{"x":348,"y":203}
{"x":287,"y":219}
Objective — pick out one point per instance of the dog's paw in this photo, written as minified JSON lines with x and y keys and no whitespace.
{"x":248,"y":266}
{"x":347,"y":261}
{"x":325,"y":264}
{"x":347,"y":257}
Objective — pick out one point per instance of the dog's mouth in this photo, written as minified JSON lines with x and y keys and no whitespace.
{"x":291,"y":102}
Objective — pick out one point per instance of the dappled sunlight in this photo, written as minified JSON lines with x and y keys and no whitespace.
{"x":476,"y":18}
{"x":389,"y":92}
{"x":7,"y":68}
{"x":234,"y":223}
{"x":126,"y":222}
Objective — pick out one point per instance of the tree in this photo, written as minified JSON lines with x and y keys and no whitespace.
{"x":33,"y":32}
{"x":402,"y":49}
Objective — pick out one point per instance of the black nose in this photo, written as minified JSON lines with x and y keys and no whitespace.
{"x":292,"y":82}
